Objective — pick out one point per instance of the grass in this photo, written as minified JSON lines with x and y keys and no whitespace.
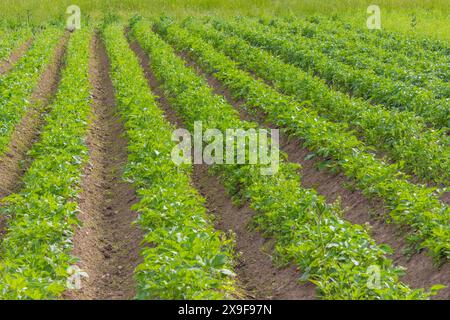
{"x":423,"y":18}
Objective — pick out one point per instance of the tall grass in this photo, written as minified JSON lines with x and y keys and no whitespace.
{"x":428,"y":18}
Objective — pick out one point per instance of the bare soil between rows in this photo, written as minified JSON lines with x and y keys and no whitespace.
{"x":257,"y":274}
{"x":15,"y":161}
{"x":107,"y":242}
{"x":420,"y":270}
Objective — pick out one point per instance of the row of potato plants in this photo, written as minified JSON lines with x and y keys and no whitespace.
{"x":415,"y":59}
{"x":343,"y":50}
{"x":17,"y":86}
{"x":402,"y":135}
{"x":411,"y":46}
{"x":363,"y":83}
{"x":400,"y":99}
{"x":332,"y":253}
{"x":348,"y":52}
{"x":10,"y":39}
{"x":36,"y":250}
{"x":402,"y":41}
{"x":427,"y":44}
{"x":411,"y":205}
{"x":183,"y":257}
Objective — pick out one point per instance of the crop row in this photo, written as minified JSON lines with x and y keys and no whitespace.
{"x":332,"y":253}
{"x":393,"y":94}
{"x":414,"y":48}
{"x":416,"y":61}
{"x":183,"y":257}
{"x":346,"y":51}
{"x":430,"y":47}
{"x":401,"y":134}
{"x":10,"y":39}
{"x":409,"y":204}
{"x":36,"y":251}
{"x":16,"y":86}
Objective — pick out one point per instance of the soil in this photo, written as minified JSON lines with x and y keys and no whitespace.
{"x":445,"y":197}
{"x":255,"y":268}
{"x":107,"y":242}
{"x":420,"y":270}
{"x":8,"y":64}
{"x":15,"y":161}
{"x":257,"y":274}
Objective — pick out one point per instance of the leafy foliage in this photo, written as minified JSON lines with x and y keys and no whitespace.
{"x":12,"y":38}
{"x":36,"y":250}
{"x":429,"y":69}
{"x":402,"y":135}
{"x":364,"y":83}
{"x":183,"y":256}
{"x":16,"y":86}
{"x":409,"y":204}
{"x":299,"y":219}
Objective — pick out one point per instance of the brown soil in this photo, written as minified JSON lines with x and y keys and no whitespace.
{"x":445,"y":197}
{"x":15,"y":161}
{"x":257,"y":274}
{"x":107,"y":242}
{"x":420,"y":271}
{"x":255,"y":268}
{"x":8,"y":64}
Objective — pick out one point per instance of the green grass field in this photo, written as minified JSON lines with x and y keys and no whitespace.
{"x":428,"y":18}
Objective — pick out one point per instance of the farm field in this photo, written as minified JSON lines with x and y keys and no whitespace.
{"x":96,"y":203}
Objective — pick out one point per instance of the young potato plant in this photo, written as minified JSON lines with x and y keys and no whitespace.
{"x":415,"y":206}
{"x":402,"y":135}
{"x":183,"y":257}
{"x":363,"y":83}
{"x":307,"y":231}
{"x":36,"y":250}
{"x":17,"y":86}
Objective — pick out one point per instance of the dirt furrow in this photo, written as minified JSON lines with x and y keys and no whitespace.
{"x":420,"y":271}
{"x":257,"y":274}
{"x":107,"y":243}
{"x":15,"y":161}
{"x":7,"y":64}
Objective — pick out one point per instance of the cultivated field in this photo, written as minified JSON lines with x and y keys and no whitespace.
{"x":93,"y":205}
